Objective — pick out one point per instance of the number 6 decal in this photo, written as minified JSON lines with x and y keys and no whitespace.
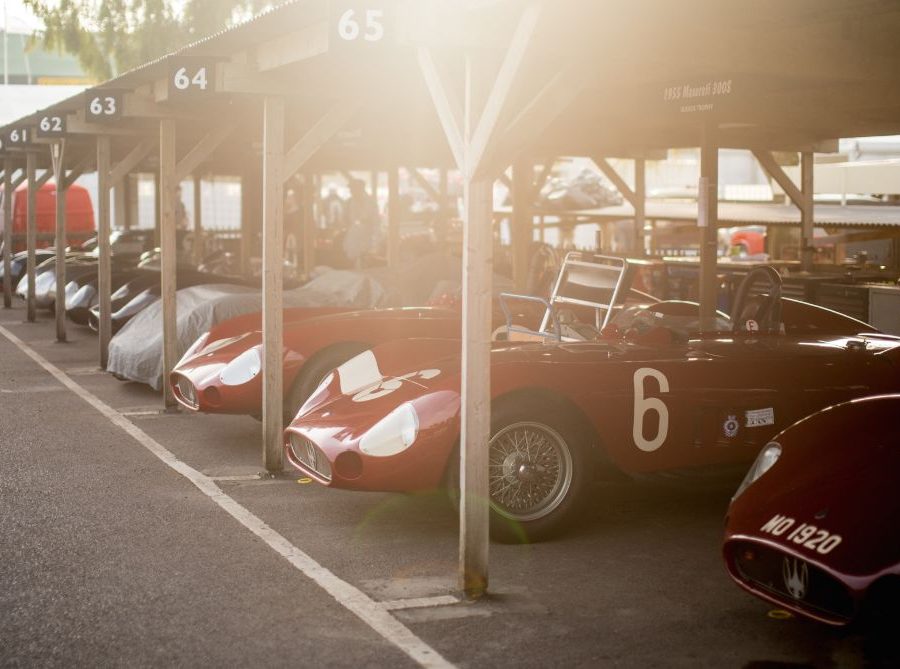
{"x":644,"y":404}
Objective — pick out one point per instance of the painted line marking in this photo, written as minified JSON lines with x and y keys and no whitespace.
{"x":373,"y":613}
{"x":420,"y":602}
{"x":140,"y":412}
{"x":33,"y":389}
{"x":239,"y":477}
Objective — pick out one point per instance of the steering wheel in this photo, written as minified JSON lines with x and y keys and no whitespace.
{"x":760,"y":312}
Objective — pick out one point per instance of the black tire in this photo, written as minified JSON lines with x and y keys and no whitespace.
{"x":316,"y":369}
{"x":562,"y":446}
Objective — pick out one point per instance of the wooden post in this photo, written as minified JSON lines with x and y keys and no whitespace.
{"x":640,"y":207}
{"x":120,"y":204}
{"x":273,"y":270}
{"x":807,"y":212}
{"x":198,"y":220}
{"x":168,"y":193}
{"x":443,"y":197}
{"x":707,"y":220}
{"x":522,"y":224}
{"x":8,"y":195}
{"x":31,"y":232}
{"x":475,"y":387}
{"x":157,"y":214}
{"x":308,"y":223}
{"x":57,"y":155}
{"x":104,"y":272}
{"x":394,"y":214}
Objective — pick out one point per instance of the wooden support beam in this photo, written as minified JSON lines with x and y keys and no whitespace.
{"x":31,"y":233}
{"x":313,"y":140}
{"x":774,"y":170}
{"x":104,"y":264}
{"x":707,"y":221}
{"x":168,"y":194}
{"x":522,"y":223}
{"x":449,"y":111}
{"x":57,"y":157}
{"x":157,"y":214}
{"x":303,"y":44}
{"x":120,"y":205}
{"x":640,"y":206}
{"x":475,"y":387}
{"x":308,"y":221}
{"x":46,"y":175}
{"x":79,"y":169}
{"x":807,"y":211}
{"x":203,"y":150}
{"x":490,"y":117}
{"x":8,"y":189}
{"x":546,"y":106}
{"x":610,"y":173}
{"x":503,"y":178}
{"x":424,"y":184}
{"x":131,"y":161}
{"x":273,"y":286}
{"x":77,"y":125}
{"x":198,"y":246}
{"x":394,"y":217}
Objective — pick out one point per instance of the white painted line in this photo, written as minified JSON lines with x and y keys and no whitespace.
{"x":239,"y":477}
{"x":141,"y":412}
{"x":373,"y":613}
{"x":32,"y":389}
{"x":420,"y":602}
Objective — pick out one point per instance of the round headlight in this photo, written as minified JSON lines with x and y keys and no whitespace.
{"x":764,"y":462}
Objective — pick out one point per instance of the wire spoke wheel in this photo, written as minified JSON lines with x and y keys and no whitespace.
{"x":530,"y":471}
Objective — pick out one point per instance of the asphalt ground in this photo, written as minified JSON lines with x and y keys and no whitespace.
{"x":111,"y":556}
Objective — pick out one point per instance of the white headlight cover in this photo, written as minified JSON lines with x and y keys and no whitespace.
{"x":243,"y":368}
{"x":71,"y":289}
{"x":392,"y":434}
{"x":764,"y":462}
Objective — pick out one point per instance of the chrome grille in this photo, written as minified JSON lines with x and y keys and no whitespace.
{"x":188,"y":392}
{"x":309,"y":455}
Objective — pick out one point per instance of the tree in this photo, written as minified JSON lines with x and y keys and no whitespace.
{"x":110,"y":37}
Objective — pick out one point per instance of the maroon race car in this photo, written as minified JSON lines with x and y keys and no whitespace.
{"x":638,"y":391}
{"x":815,"y":526}
{"x":220,"y":372}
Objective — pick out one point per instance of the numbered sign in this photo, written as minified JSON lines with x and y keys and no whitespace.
{"x":102,"y":106}
{"x":52,"y":125}
{"x":192,"y":77}
{"x":18,"y":137}
{"x":359,"y":23}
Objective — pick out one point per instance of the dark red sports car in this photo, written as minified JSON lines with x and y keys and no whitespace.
{"x":815,"y":526}
{"x":638,"y":391}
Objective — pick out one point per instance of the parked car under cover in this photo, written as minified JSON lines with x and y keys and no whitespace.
{"x":220,"y":372}
{"x":640,"y":393}
{"x":815,"y":526}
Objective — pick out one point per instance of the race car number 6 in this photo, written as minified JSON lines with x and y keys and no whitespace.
{"x":643,"y":404}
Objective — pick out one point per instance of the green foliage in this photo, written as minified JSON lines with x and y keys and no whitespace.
{"x":113,"y":36}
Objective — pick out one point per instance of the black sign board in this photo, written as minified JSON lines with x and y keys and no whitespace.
{"x":103,"y":105}
{"x":360,"y":23}
{"x":192,"y":77}
{"x":18,"y":137}
{"x":51,"y":125}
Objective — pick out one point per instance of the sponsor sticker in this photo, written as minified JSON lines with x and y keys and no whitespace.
{"x":731,"y":426}
{"x":760,"y":417}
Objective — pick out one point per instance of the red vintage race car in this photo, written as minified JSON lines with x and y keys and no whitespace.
{"x":220,"y":372}
{"x":815,"y":526}
{"x":638,"y":391}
